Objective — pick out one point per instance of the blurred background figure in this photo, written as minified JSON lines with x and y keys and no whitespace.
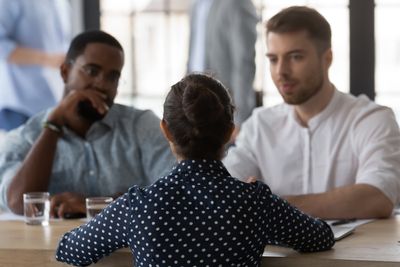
{"x":34,"y":36}
{"x":222,"y":42}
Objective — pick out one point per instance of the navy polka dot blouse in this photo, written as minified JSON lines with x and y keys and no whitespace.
{"x":198,"y":215}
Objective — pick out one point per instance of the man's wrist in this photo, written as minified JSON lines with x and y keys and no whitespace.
{"x":56,"y":117}
{"x":53,"y":127}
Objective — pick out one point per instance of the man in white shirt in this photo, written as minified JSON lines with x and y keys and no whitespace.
{"x":330,"y":154}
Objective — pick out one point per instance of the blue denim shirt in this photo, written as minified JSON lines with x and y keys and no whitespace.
{"x":126,"y":148}
{"x":43,"y":25}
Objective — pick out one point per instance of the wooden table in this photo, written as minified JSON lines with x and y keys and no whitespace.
{"x":28,"y":245}
{"x":373,"y":244}
{"x":376,"y":244}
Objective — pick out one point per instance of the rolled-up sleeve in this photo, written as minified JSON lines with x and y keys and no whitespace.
{"x":376,"y":138}
{"x":12,"y":153}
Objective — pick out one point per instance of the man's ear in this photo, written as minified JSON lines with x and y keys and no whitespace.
{"x":165,"y":130}
{"x":64,"y":71}
{"x":328,"y":57}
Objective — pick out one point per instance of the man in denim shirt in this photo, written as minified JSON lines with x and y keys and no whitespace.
{"x":86,"y":145}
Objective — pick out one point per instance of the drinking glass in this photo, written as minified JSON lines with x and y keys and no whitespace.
{"x":95,"y":205}
{"x":37,"y":208}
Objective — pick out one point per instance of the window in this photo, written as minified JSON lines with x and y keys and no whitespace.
{"x":154,"y":35}
{"x":387,"y":70}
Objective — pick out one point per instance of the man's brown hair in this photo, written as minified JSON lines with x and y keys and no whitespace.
{"x":302,"y":18}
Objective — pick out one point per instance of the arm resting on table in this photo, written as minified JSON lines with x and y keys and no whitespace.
{"x":359,"y":201}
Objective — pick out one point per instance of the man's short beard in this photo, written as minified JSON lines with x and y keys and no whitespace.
{"x":304,"y":95}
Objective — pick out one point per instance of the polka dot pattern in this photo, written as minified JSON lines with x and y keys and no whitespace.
{"x":198,"y":215}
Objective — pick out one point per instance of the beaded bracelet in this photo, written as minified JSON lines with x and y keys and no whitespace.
{"x":52,"y":126}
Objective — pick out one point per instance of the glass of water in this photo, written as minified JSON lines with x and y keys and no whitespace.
{"x":95,"y":205}
{"x":37,"y":208}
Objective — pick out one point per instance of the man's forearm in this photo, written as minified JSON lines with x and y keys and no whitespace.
{"x":29,"y":56}
{"x":359,"y":201}
{"x":34,"y":174}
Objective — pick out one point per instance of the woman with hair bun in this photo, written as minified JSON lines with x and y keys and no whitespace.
{"x":198,"y":215}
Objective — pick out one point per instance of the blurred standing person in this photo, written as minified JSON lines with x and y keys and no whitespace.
{"x":34,"y":36}
{"x":222,"y":42}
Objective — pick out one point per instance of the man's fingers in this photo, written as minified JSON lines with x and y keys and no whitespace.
{"x":61,"y":210}
{"x":53,"y":206}
{"x":98,"y":101}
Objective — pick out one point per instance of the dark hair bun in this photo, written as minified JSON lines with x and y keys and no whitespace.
{"x":201,"y":106}
{"x":199,"y":114}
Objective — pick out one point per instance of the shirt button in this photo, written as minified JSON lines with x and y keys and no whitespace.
{"x":91,"y":172}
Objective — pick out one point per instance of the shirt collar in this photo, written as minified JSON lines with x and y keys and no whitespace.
{"x":105,"y":125}
{"x":111,"y":116}
{"x":315,"y":121}
{"x":200,"y":166}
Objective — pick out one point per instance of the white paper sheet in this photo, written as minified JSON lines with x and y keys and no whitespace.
{"x":354,"y":223}
{"x":342,"y":230}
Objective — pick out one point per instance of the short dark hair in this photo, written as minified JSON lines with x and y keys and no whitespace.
{"x":79,"y":43}
{"x":298,"y":18}
{"x":199,"y":114}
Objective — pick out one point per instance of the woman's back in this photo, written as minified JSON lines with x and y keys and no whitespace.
{"x":199,"y":215}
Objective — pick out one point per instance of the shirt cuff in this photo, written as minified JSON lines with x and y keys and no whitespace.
{"x":390,"y":186}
